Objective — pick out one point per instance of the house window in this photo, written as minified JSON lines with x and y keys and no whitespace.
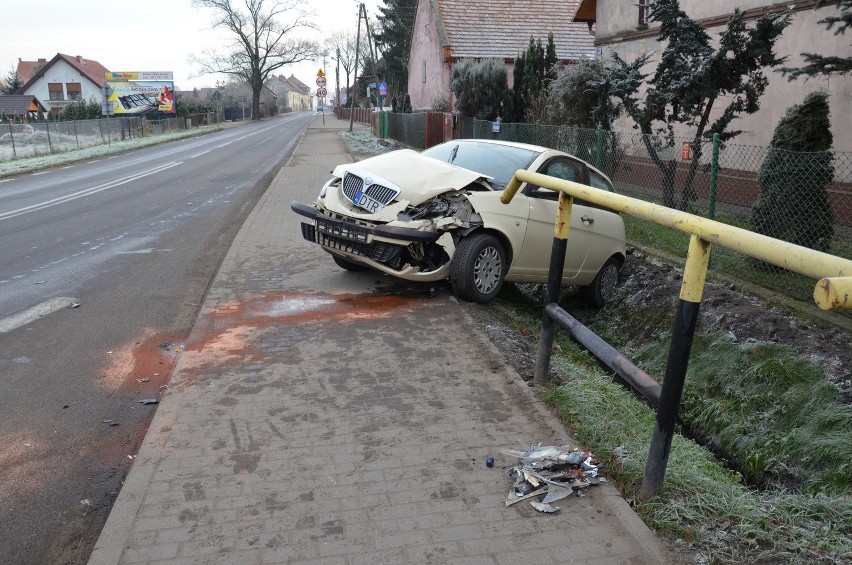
{"x":644,"y":13}
{"x":55,"y":91}
{"x":74,"y":90}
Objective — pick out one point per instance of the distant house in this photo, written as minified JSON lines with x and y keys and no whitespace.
{"x":447,"y":31}
{"x":62,"y":79}
{"x":20,"y":107}
{"x":293,"y":95}
{"x":624,"y":28}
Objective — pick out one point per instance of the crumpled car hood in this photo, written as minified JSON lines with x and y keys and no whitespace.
{"x":419,"y":178}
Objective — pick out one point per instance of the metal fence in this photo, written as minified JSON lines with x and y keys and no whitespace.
{"x":803,"y":198}
{"x":33,"y":139}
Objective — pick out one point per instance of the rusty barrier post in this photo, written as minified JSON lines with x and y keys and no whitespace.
{"x":692,"y":288}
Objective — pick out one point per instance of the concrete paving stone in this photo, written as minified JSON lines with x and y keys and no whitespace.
{"x":157,"y":552}
{"x":303,"y":451}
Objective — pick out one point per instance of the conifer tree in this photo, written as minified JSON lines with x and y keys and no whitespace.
{"x":691,"y":78}
{"x":793,"y":203}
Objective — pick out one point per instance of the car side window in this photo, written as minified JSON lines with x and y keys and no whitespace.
{"x":597,"y":181}
{"x":559,"y":168}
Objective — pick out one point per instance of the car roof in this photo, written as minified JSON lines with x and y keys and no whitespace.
{"x":538,"y":148}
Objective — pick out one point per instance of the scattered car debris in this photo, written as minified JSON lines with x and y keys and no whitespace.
{"x":74,"y":305}
{"x":148,"y":401}
{"x":551,"y":473}
{"x":542,"y":507}
{"x":110,"y":422}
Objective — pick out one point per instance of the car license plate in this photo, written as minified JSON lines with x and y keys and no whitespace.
{"x":367,"y":203}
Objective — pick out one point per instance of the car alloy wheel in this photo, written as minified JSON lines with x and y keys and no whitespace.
{"x":479,"y":268}
{"x":603,"y":287}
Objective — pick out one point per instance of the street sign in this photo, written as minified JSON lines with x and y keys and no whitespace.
{"x":320,"y":73}
{"x":322,"y":92}
{"x":321,"y":82}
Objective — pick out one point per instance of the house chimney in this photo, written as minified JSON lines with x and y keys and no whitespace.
{"x":79,"y":59}
{"x":42,"y":60}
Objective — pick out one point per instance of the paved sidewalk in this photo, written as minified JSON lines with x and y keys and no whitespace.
{"x":315,"y":417}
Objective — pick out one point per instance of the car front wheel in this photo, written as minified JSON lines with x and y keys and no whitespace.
{"x":603,"y":287}
{"x":478,"y":269}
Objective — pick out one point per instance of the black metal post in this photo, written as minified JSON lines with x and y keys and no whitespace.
{"x":678,"y":362}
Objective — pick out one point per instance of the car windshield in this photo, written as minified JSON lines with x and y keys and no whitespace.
{"x":491,"y":159}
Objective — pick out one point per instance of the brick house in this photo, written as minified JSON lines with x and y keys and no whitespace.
{"x":62,"y":79}
{"x":447,"y":31}
{"x":621,"y":26}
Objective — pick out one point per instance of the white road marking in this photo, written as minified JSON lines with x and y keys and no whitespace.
{"x":84,"y":192}
{"x":34,"y":313}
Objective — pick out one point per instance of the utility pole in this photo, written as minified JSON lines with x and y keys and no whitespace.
{"x":337,"y":81}
{"x":355,"y":82}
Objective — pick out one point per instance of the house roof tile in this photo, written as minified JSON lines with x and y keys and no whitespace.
{"x":502,"y":28}
{"x":89,"y":68}
{"x":18,"y":104}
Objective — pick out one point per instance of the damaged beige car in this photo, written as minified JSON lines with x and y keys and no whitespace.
{"x":437,"y":214}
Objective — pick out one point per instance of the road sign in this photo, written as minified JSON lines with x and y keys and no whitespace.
{"x":320,"y":73}
{"x":321,"y":82}
{"x":322,"y":92}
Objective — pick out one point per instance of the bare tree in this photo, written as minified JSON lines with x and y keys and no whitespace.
{"x":261,"y":42}
{"x":343,"y":45}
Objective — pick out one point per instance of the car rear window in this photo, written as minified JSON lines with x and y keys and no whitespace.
{"x":496,"y":161}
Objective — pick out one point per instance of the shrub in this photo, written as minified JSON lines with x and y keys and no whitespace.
{"x":793,"y":202}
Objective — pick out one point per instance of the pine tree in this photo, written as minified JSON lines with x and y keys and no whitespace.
{"x":827,"y":65}
{"x":691,"y":78}
{"x":393,"y":40}
{"x":12,"y":83}
{"x":793,"y":203}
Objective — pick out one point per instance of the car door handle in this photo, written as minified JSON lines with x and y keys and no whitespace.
{"x":587,"y":220}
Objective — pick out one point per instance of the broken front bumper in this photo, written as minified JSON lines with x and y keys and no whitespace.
{"x":377,"y":246}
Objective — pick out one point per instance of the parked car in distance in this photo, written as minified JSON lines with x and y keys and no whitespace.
{"x":437,"y":214}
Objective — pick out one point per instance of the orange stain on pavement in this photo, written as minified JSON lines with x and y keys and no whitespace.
{"x":226,"y":333}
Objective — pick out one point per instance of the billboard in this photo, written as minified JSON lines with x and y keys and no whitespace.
{"x":133,"y":93}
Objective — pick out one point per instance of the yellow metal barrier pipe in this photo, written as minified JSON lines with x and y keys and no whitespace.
{"x":832,"y":292}
{"x":802,"y":260}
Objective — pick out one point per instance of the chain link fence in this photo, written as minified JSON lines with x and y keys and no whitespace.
{"x":33,"y":139}
{"x":803,"y":198}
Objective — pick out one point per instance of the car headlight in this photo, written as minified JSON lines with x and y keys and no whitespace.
{"x":437,"y":208}
{"x":330,"y":182}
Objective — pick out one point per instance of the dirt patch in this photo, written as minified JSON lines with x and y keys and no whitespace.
{"x":651,"y":286}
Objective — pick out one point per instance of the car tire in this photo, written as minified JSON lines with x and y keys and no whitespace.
{"x":348,"y":265}
{"x":479,"y":268}
{"x":604,"y":285}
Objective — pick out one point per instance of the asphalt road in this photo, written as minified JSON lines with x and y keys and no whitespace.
{"x":103,"y":267}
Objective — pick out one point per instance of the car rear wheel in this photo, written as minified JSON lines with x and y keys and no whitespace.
{"x":479,"y":268}
{"x":348,"y":265}
{"x":603,"y":287}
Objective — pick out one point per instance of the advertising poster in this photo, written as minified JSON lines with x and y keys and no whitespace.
{"x":133,"y":93}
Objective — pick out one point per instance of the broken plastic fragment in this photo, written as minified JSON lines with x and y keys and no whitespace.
{"x":110,"y":422}
{"x":148,"y":401}
{"x":74,"y":305}
{"x":143,"y":380}
{"x":555,"y":493}
{"x":542,"y":507}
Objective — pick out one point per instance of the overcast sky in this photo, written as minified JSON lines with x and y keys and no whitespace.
{"x":135,"y":36}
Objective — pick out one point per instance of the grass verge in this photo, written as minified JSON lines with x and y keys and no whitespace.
{"x":705,"y":506}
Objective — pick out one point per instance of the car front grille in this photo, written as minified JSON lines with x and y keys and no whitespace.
{"x":353,"y":184}
{"x":350,"y":240}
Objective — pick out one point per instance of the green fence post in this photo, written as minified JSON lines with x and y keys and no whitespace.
{"x":714,"y":175}
{"x":600,"y":148}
